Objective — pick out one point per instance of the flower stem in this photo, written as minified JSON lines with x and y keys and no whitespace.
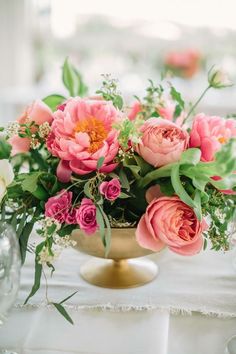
{"x":196,"y":103}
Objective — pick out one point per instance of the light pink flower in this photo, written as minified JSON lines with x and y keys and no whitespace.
{"x":167,"y":110}
{"x":86,"y":216}
{"x":209,"y":133}
{"x":83,"y":133}
{"x":135,"y":109}
{"x":153,"y":192}
{"x":111,"y":190}
{"x":162,"y":142}
{"x":170,"y":222}
{"x":186,"y":62}
{"x":37,"y":112}
{"x":58,"y":207}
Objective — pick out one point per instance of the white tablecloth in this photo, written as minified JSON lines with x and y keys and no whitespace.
{"x":205,"y":283}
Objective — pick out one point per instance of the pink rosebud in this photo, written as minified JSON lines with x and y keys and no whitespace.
{"x":86,"y":216}
{"x":37,"y":112}
{"x":135,"y":109}
{"x":162,"y":142}
{"x":58,"y":207}
{"x":170,"y":222}
{"x":111,"y":190}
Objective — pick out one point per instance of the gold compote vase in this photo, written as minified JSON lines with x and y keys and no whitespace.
{"x":120,"y":269}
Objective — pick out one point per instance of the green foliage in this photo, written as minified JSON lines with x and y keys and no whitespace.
{"x":61,"y":309}
{"x":176,"y":96}
{"x":53,"y":101}
{"x":72,"y":80}
{"x":5,"y":149}
{"x":109,"y":91}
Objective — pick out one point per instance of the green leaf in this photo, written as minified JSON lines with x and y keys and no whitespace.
{"x":108,"y":234}
{"x":166,"y":187}
{"x":66,"y":230}
{"x":198,"y":208}
{"x":118,"y":102}
{"x":30,"y":181}
{"x":5,"y":149}
{"x":21,"y":224}
{"x":124,"y":195}
{"x":53,"y":101}
{"x":87,"y":190}
{"x":161,"y":172}
{"x":124,"y":180}
{"x":190,"y":156}
{"x":24,"y":237}
{"x":37,"y":273}
{"x":70,"y":78}
{"x":177,"y":97}
{"x":100,"y":221}
{"x":67,"y":298}
{"x":100,"y":162}
{"x":178,"y":187}
{"x":63,"y":312}
{"x":144,"y":166}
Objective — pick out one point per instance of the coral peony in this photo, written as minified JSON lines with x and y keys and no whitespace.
{"x":82,"y":133}
{"x":162,"y":142}
{"x":209,"y":133}
{"x":170,"y":222}
{"x":135,"y":109}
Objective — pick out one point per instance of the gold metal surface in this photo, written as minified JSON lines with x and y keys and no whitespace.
{"x":117,"y":271}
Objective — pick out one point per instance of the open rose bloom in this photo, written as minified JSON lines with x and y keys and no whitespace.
{"x":97,"y":163}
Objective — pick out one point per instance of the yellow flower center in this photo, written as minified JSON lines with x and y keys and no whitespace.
{"x":222,"y":140}
{"x":95,"y":130}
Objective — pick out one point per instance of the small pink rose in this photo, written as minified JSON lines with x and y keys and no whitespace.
{"x":86,"y":216}
{"x":37,"y":112}
{"x":111,"y":190}
{"x":58,"y":207}
{"x":162,"y":142}
{"x":170,"y":222}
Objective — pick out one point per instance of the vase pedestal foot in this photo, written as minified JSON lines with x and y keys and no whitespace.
{"x":118,"y":274}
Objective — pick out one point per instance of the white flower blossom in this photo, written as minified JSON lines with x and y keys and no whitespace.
{"x":13,"y":129}
{"x":218,"y":78}
{"x":6,"y":176}
{"x":64,"y":242}
{"x":44,"y":130}
{"x":45,"y":257}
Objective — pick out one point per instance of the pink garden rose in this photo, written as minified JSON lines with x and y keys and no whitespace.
{"x":81,"y":134}
{"x":111,"y":190}
{"x":162,"y":142}
{"x":209,"y":133}
{"x":58,"y":207}
{"x":86,"y":216}
{"x":37,"y":112}
{"x":170,"y":222}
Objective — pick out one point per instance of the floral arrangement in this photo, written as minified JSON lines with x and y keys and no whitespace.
{"x":185,"y":64}
{"x":95,"y":164}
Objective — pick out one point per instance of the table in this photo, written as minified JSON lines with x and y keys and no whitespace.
{"x":164,"y":317}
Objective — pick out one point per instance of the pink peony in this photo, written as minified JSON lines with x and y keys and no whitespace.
{"x":86,"y":216}
{"x":58,"y":207}
{"x":37,"y":112}
{"x":167,"y":110}
{"x":111,"y":190}
{"x":82,"y":133}
{"x":209,"y":133}
{"x":135,"y":109}
{"x":162,"y":142}
{"x":170,"y":222}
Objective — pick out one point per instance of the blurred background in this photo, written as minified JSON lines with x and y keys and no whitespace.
{"x":132,"y":40}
